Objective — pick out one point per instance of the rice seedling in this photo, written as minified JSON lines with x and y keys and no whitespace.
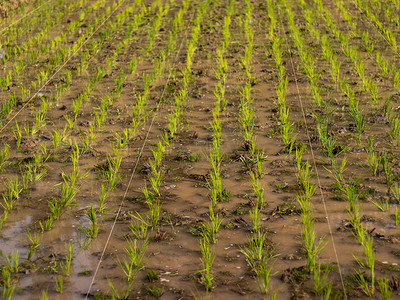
{"x":94,"y":227}
{"x":4,"y":156}
{"x":396,"y":216}
{"x":140,"y":227}
{"x":385,"y":289}
{"x":66,"y":265}
{"x":255,"y":251}
{"x":18,"y":136}
{"x":381,"y":204}
{"x":154,"y":216}
{"x":207,"y":260}
{"x":111,"y":174}
{"x":46,"y":226}
{"x":132,"y":65}
{"x":13,"y":190}
{"x":321,"y":280}
{"x":209,"y":230}
{"x":136,"y":258}
{"x":372,"y":157}
{"x":12,"y":261}
{"x":8,"y":287}
{"x":363,"y":283}
{"x":59,"y":283}
{"x":311,"y":247}
{"x":34,"y":244}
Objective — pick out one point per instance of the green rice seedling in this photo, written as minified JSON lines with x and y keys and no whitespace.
{"x":8,"y":287}
{"x":120,"y":82}
{"x":385,"y":289}
{"x":136,"y":259}
{"x":122,"y":140}
{"x":259,"y":159}
{"x":59,"y":284}
{"x":34,"y":240}
{"x":55,"y":206}
{"x":44,"y":295}
{"x":357,"y":116}
{"x":396,"y":192}
{"x":70,"y":122}
{"x":308,"y":237}
{"x":369,"y":262}
{"x":102,"y":198}
{"x":303,"y":175}
{"x":387,"y":169}
{"x":4,"y":156}
{"x":113,"y":167}
{"x":3,"y":218}
{"x":363,"y":283}
{"x":67,"y":79}
{"x":12,"y":261}
{"x":94,"y":227}
{"x":372,"y":157}
{"x":86,"y":142}
{"x":264,"y":275}
{"x":18,"y":135}
{"x":140,"y":227}
{"x":395,"y":130}
{"x":154,"y":216}
{"x":207,"y":260}
{"x":46,"y":226}
{"x":122,"y":293}
{"x":382,"y":205}
{"x":258,"y":190}
{"x":320,"y":280}
{"x":58,"y":136}
{"x":132,"y":65}
{"x":383,"y":64}
{"x":396,"y":216}
{"x":255,"y":218}
{"x":66,"y":266}
{"x":255,"y":251}
{"x":12,"y":193}
{"x":303,"y":199}
{"x":355,"y":221}
{"x":209,"y":231}
{"x":76,"y":105}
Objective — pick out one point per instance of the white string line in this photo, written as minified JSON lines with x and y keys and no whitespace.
{"x":315,"y":165}
{"x":133,"y":172}
{"x":363,"y":16}
{"x":59,"y":69}
{"x":20,"y":19}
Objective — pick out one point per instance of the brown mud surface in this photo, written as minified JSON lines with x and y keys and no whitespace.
{"x":173,"y":251}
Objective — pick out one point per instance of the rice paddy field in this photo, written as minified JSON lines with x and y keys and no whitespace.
{"x":187,"y":149}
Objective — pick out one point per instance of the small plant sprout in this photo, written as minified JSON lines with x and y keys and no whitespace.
{"x":12,"y":261}
{"x":66,"y":265}
{"x":320,"y":280}
{"x":136,"y":259}
{"x":8,"y":287}
{"x":207,"y":277}
{"x":102,"y":199}
{"x":385,"y":289}
{"x":4,"y":156}
{"x":18,"y":135}
{"x":94,"y":227}
{"x":59,"y":282}
{"x":34,"y":244}
{"x":396,"y":216}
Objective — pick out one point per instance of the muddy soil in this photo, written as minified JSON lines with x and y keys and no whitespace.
{"x":173,"y":251}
